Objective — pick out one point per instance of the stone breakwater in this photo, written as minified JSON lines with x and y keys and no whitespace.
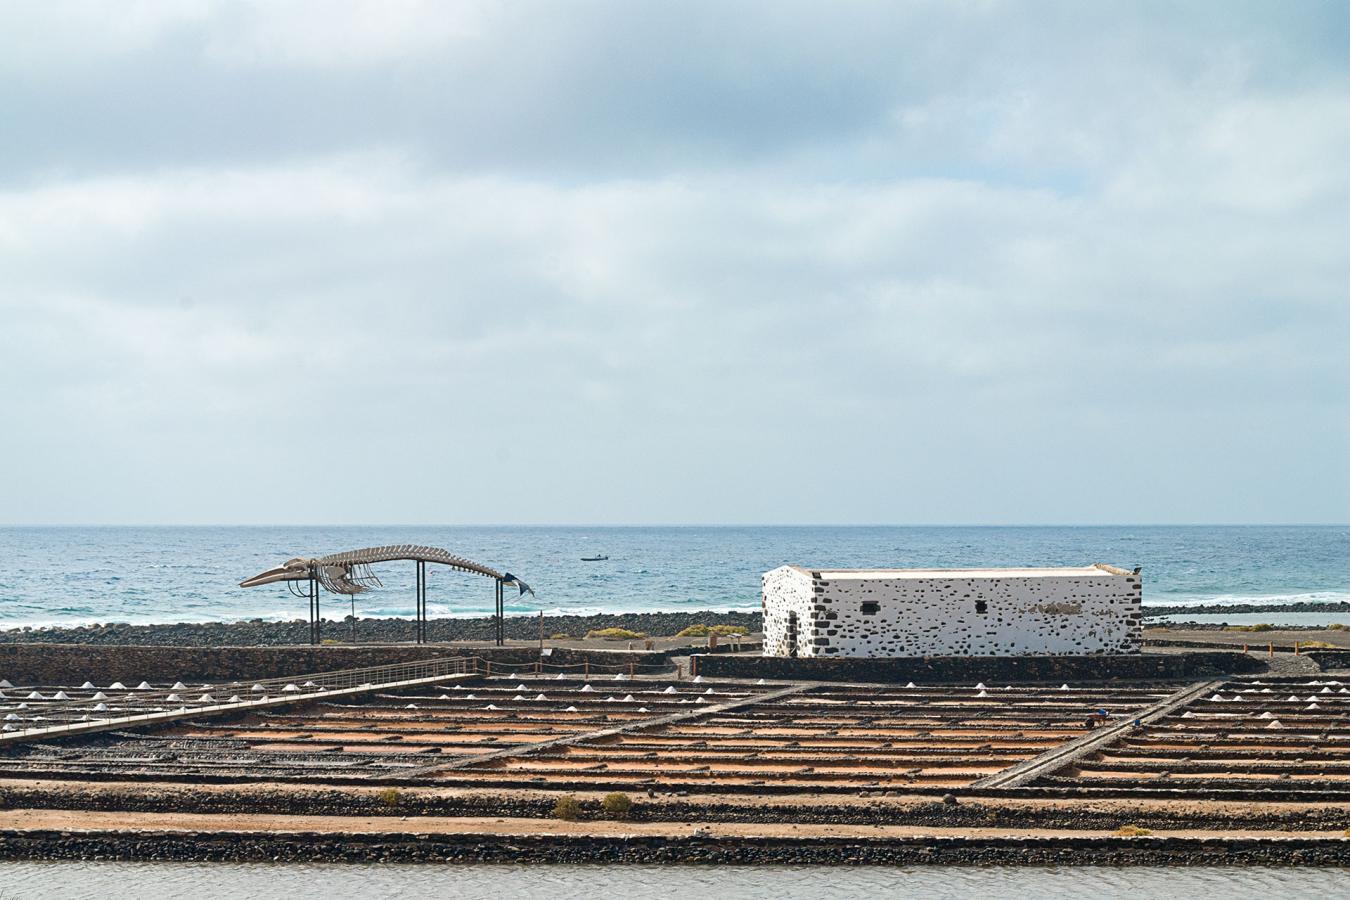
{"x":260,"y":633}
{"x":570,"y":849}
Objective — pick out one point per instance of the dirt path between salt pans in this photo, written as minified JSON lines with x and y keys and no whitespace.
{"x":81,"y":821}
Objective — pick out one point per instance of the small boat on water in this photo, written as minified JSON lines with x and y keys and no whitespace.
{"x":594,"y":558}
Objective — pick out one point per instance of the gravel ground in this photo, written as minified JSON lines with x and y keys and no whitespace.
{"x":259,"y":633}
{"x":1280,"y":637}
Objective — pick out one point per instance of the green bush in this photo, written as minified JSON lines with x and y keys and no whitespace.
{"x":1264,"y":626}
{"x":1132,"y":831}
{"x":615,"y":634}
{"x":1336,"y":626}
{"x":617,"y":805}
{"x":567,"y":808}
{"x":390,"y":797}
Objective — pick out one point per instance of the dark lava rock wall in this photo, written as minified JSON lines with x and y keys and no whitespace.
{"x":516,"y":849}
{"x":1160,"y":666}
{"x":72,"y":664}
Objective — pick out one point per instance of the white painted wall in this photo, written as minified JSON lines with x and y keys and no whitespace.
{"x":1014,"y":612}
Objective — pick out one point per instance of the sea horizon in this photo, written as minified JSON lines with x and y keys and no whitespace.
{"x":163,"y":574}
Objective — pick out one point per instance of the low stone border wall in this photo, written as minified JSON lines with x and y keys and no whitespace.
{"x":1162,"y":666}
{"x":321,"y":847}
{"x":74,"y":663}
{"x":1329,"y":659}
{"x":1330,"y":814}
{"x":1254,"y":646}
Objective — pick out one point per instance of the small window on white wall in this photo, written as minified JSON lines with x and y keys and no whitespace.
{"x":870,"y":607}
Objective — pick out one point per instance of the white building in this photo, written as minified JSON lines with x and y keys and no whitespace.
{"x":952,"y":612}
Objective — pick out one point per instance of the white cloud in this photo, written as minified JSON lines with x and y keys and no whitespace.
{"x":351,"y":33}
{"x":1084,"y":256}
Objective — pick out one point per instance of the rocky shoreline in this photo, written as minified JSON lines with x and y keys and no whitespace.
{"x":261,"y":633}
{"x":1242,"y":609}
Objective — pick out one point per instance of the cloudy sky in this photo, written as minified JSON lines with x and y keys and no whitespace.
{"x":693,"y":263}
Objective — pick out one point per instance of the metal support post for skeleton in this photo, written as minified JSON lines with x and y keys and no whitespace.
{"x":421,"y":616}
{"x":313,"y":610}
{"x":501,"y":612}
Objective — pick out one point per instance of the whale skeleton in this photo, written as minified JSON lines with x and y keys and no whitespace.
{"x":349,"y":573}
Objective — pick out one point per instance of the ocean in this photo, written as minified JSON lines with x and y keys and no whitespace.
{"x":72,"y":575}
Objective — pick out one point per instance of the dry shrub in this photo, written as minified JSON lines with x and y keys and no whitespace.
{"x":617,"y":805}
{"x":567,"y":808}
{"x":615,"y":634}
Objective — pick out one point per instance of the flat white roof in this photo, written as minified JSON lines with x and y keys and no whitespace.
{"x":1093,"y":571}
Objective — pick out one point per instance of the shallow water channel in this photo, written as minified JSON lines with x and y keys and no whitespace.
{"x":151,"y":881}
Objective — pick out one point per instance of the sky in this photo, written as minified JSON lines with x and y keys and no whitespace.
{"x":706,"y":262}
